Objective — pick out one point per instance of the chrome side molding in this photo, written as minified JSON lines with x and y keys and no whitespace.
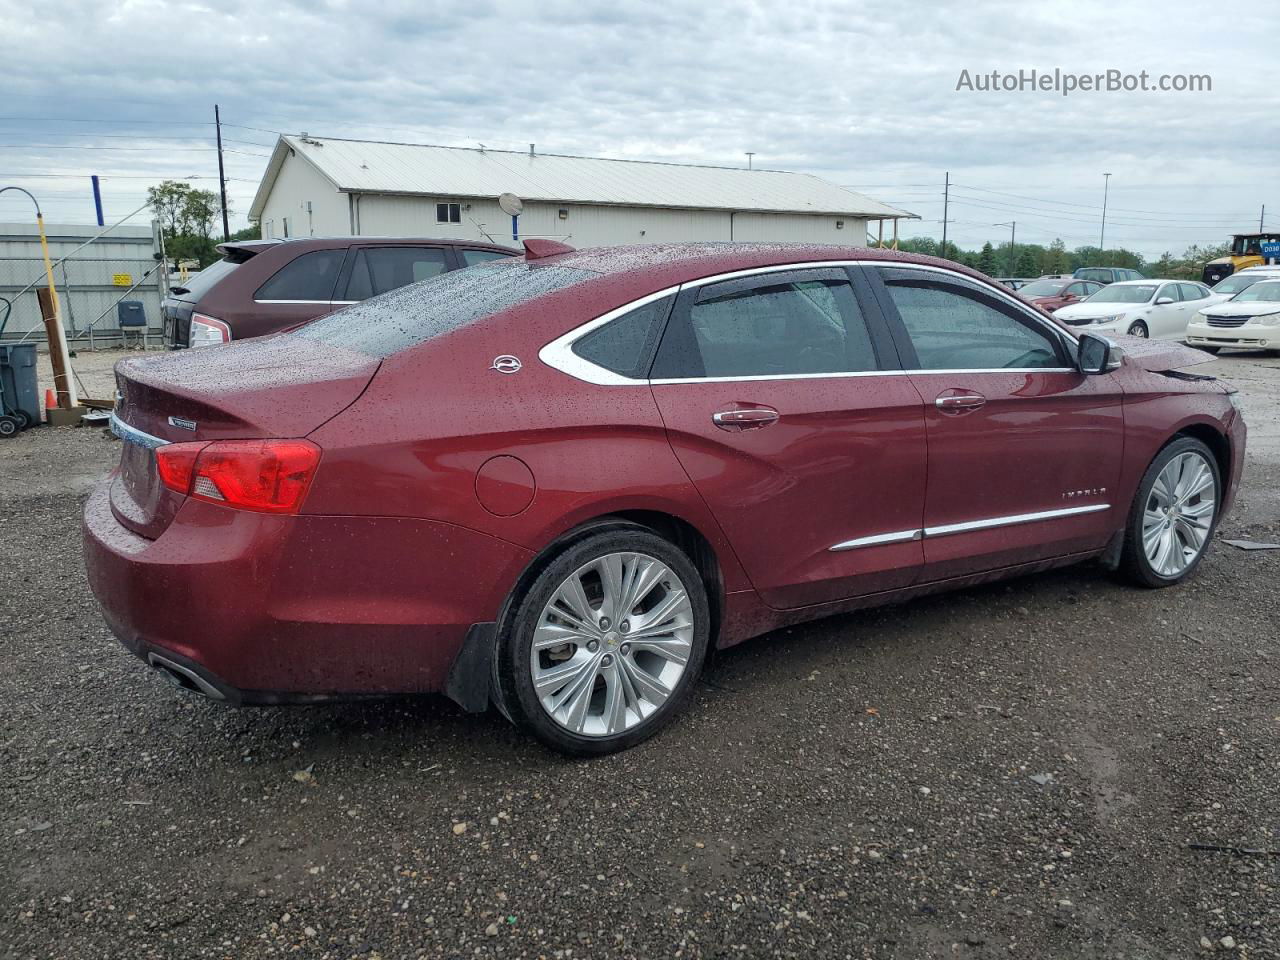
{"x":903,"y":536}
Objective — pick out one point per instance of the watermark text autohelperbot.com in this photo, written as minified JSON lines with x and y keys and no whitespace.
{"x":1066,"y":83}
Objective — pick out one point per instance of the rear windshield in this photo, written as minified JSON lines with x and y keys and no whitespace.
{"x":198,"y":284}
{"x":413,"y":314}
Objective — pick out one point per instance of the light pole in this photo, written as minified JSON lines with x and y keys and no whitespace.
{"x":749,"y":157}
{"x":1106,"y":184}
{"x":1013,"y":232}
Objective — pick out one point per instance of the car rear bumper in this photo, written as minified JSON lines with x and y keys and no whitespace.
{"x":283,"y":608}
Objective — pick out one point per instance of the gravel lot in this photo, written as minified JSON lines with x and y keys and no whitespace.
{"x":1015,"y":770}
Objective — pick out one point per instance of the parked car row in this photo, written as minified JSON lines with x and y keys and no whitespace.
{"x":1242,"y":310}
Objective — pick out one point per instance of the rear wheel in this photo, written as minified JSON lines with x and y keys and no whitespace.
{"x":1138,"y":329}
{"x":8,"y":426}
{"x":605,"y":646}
{"x":1173,"y":515}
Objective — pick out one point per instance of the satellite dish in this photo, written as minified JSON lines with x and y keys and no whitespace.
{"x":511,"y":204}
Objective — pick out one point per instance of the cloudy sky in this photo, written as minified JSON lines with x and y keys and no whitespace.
{"x":862,"y":94}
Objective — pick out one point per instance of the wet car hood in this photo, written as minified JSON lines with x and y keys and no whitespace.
{"x":1160,"y":355}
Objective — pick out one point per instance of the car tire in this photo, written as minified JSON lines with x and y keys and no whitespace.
{"x":607,"y":703}
{"x":1162,"y":548}
{"x":1138,"y":329}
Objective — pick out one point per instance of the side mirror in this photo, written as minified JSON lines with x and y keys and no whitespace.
{"x":1096,"y":355}
{"x":1163,"y":300}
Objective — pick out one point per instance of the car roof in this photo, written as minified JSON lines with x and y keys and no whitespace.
{"x":301,"y":243}
{"x":667,"y":264}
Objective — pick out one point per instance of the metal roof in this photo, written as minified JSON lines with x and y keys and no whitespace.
{"x":363,"y":166}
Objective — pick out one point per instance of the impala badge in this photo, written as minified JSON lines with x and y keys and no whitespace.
{"x":506,"y":364}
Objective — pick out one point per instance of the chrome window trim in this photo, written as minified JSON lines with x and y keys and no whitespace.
{"x":559,"y":355}
{"x":991,"y":523}
{"x":134,"y":435}
{"x":293,"y":301}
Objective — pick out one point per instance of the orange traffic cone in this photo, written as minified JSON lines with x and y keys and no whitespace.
{"x":50,"y":400}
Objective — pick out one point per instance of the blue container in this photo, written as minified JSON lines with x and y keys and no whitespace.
{"x":131,"y":315}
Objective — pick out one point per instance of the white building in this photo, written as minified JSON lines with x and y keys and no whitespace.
{"x":325,"y":187}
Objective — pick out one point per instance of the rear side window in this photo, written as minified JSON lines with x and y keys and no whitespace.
{"x":471,"y":257}
{"x":414,"y":314}
{"x":377,"y":270}
{"x":310,"y":277}
{"x":953,"y":327}
{"x":199,"y":284}
{"x":1191,"y":292}
{"x":764,"y":327}
{"x":625,"y":344}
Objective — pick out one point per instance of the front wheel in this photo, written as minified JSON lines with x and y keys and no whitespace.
{"x":1173,"y":515}
{"x":1138,"y":329}
{"x":604,"y":647}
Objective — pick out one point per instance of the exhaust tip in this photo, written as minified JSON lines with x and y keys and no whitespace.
{"x":184,"y":677}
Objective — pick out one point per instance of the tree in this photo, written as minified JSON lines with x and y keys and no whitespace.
{"x":987,"y":259}
{"x":1026,"y":265}
{"x":1055,"y":260}
{"x":187,"y":216}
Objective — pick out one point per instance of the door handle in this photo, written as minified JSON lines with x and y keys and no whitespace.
{"x":751,"y":418}
{"x":954,"y":404}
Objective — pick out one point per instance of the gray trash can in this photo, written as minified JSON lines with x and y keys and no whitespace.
{"x":19,"y":392}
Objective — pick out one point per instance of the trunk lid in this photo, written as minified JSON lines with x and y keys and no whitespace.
{"x":276,"y":387}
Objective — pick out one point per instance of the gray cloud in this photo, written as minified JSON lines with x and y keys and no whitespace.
{"x":862,"y":94}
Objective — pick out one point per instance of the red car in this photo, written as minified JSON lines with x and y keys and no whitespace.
{"x":555,"y":482}
{"x":1051,"y":293}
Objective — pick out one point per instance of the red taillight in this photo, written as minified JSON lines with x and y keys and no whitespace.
{"x":270,"y":476}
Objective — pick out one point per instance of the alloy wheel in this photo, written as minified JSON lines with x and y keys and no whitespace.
{"x":611,"y":644}
{"x":1138,"y":330}
{"x":1178,"y":514}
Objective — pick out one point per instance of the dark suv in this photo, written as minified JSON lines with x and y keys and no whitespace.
{"x":1106,"y":275}
{"x":264,"y":286}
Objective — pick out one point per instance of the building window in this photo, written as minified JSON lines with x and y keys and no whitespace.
{"x":448,"y":213}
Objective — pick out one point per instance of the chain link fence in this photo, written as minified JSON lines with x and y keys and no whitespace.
{"x":88,"y":289}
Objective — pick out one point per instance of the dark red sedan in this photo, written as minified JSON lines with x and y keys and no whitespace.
{"x":553,"y":483}
{"x":1051,"y":293}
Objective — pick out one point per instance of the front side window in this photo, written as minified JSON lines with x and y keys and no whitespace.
{"x":953,"y":327}
{"x":311,"y":277}
{"x":377,"y":270}
{"x":1169,"y":290}
{"x":1077,"y":290}
{"x":762,"y":327}
{"x":448,"y":213}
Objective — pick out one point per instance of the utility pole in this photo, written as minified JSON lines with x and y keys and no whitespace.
{"x":222,"y":177}
{"x":1013,"y":232}
{"x":749,"y":160}
{"x":946,"y":198}
{"x":1262,"y":216}
{"x":1106,"y":184}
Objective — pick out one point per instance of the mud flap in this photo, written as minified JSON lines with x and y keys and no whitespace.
{"x":468,"y":683}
